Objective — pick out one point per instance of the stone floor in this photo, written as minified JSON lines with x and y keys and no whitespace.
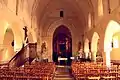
{"x":63,"y":73}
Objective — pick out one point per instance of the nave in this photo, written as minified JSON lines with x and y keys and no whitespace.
{"x":73,"y":33}
{"x":49,"y":71}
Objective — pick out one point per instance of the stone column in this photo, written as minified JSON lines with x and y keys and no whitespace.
{"x":39,"y":50}
{"x":86,"y":51}
{"x":93,"y":56}
{"x":86,"y":55}
{"x":108,"y":62}
{"x":108,"y":49}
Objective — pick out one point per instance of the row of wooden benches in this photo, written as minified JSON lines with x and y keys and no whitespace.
{"x":94,"y":71}
{"x":37,"y":71}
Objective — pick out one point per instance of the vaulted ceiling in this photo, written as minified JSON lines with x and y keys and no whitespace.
{"x":77,"y":9}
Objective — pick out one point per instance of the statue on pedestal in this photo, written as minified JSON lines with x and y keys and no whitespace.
{"x":44,"y":51}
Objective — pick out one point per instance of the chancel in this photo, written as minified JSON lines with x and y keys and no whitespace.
{"x":59,"y":39}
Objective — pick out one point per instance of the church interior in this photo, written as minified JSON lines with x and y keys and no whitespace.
{"x":59,"y":40}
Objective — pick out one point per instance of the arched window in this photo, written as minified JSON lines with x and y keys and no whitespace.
{"x":89,"y":20}
{"x":61,"y":14}
{"x":115,"y":42}
{"x":100,"y":8}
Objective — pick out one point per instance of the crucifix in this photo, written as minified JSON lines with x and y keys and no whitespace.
{"x":25,"y":30}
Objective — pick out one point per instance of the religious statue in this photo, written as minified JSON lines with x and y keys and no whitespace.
{"x":44,"y":54}
{"x":67,"y":44}
{"x":43,"y":47}
{"x":26,"y":36}
{"x":80,"y":53}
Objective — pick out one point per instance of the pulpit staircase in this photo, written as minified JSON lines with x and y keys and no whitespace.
{"x":26,"y":54}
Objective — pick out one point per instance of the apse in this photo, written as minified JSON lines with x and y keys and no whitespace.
{"x":62,"y":43}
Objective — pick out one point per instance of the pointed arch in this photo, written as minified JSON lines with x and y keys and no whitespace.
{"x":112,"y":28}
{"x":8,"y":45}
{"x":94,"y":44}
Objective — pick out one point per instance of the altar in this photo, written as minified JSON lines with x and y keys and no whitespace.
{"x":62,"y":61}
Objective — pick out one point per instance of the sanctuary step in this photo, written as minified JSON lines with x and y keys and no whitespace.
{"x":63,"y":73}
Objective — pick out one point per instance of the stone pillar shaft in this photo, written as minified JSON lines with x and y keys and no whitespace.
{"x":93,"y":56}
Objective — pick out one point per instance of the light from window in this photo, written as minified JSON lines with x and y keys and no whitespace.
{"x":100,"y":8}
{"x":89,"y":21}
{"x":115,"y":42}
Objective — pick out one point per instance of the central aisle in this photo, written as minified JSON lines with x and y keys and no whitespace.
{"x":63,"y":73}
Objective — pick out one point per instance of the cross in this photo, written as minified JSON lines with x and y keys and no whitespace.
{"x":25,"y":29}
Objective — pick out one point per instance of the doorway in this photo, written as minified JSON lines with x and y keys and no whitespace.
{"x":62,"y":46}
